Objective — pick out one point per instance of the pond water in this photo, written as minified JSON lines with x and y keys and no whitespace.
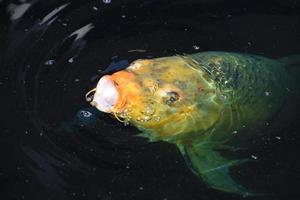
{"x":54,"y":145}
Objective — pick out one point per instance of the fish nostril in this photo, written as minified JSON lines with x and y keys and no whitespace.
{"x":115,"y":83}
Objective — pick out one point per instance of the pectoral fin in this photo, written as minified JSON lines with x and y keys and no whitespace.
{"x":213,"y":169}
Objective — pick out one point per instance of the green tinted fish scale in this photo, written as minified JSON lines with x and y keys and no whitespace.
{"x":246,"y":80}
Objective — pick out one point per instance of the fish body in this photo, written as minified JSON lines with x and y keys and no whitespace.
{"x":251,"y":89}
{"x":199,"y":102}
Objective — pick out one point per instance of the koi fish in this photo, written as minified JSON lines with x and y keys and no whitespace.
{"x":198,"y":102}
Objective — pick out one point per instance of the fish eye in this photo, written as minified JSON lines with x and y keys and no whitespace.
{"x":172,"y":97}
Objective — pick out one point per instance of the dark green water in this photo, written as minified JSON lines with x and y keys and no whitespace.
{"x":53,"y":145}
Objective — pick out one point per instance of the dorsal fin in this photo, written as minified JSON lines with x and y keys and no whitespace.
{"x":290,"y":60}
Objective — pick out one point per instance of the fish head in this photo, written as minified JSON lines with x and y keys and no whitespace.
{"x":164,"y":97}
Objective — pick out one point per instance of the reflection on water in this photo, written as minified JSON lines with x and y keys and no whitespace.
{"x":54,"y":145}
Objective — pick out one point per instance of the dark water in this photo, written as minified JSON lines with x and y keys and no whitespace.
{"x":53,"y":145}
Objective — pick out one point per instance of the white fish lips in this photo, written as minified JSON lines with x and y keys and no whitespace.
{"x":106,"y":95}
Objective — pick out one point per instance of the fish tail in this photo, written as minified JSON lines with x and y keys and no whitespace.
{"x":213,"y":168}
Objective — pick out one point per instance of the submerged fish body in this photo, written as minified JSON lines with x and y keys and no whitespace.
{"x":197,"y":102}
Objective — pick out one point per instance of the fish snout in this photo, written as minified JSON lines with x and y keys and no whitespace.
{"x":106,"y":95}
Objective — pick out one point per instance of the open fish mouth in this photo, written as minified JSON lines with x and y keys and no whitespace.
{"x":113,"y":92}
{"x":106,"y":95}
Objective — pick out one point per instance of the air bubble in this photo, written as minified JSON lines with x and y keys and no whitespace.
{"x":71,"y":60}
{"x":149,"y":110}
{"x":106,"y":1}
{"x":146,"y":118}
{"x":50,"y":62}
{"x":157,"y":119}
{"x":85,"y":113}
{"x":196,"y":47}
